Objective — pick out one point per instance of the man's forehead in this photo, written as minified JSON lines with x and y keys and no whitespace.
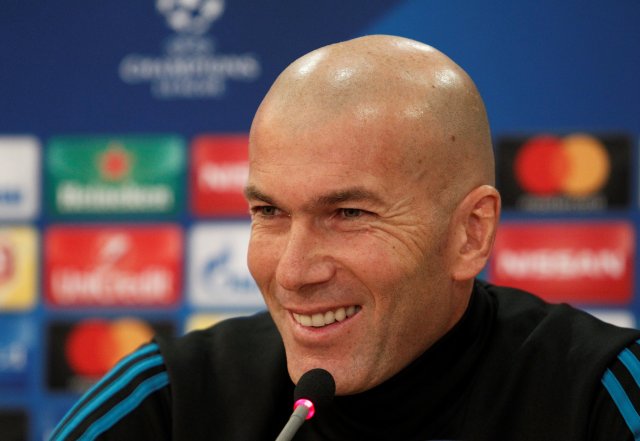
{"x":372,"y":163}
{"x":363,"y":133}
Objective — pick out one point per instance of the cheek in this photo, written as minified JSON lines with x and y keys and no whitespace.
{"x":384,"y":274}
{"x":389,"y":260}
{"x":402,"y":280}
{"x":261,"y":260}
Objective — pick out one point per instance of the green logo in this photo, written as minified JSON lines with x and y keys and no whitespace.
{"x":115,"y":175}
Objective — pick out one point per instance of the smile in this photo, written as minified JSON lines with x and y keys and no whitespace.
{"x":321,"y":319}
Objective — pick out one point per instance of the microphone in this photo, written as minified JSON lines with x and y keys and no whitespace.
{"x":314,"y":390}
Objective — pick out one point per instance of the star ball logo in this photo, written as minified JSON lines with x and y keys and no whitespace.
{"x":190,"y":16}
{"x":191,"y":66}
{"x":575,"y":172}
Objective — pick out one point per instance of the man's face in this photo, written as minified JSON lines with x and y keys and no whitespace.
{"x":347,"y":248}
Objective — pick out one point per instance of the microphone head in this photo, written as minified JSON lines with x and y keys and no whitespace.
{"x":317,"y":386}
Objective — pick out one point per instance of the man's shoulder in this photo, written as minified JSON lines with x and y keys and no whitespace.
{"x":229,"y":351}
{"x":546,"y":358}
{"x":212,"y":371}
{"x":135,"y":390}
{"x":526,"y":320}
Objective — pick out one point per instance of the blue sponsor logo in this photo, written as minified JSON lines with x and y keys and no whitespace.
{"x":17,"y":337}
{"x":217,"y":275}
{"x":11,"y":197}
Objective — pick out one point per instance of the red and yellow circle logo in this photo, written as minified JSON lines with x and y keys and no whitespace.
{"x":577,"y":165}
{"x":94,"y":346}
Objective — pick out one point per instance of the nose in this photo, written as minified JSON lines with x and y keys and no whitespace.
{"x":304,"y":260}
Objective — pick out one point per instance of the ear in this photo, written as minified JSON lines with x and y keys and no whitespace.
{"x":474,"y":229}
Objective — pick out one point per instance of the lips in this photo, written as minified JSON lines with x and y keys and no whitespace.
{"x":321,"y":319}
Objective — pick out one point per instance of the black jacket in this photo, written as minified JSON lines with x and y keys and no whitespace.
{"x":514,"y":368}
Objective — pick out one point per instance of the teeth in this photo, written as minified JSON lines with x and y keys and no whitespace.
{"x":304,"y":320}
{"x":319,"y":320}
{"x":329,"y":317}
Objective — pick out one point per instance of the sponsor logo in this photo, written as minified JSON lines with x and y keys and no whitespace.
{"x":114,"y":266}
{"x":13,"y":358}
{"x":577,"y":172}
{"x":622,"y":318}
{"x":115,"y":163}
{"x":7,"y":263}
{"x":17,"y":338}
{"x":19,"y":178}
{"x":218,"y":266}
{"x":579,"y":263}
{"x":190,"y":66}
{"x":14,"y":424}
{"x":203,"y":321}
{"x":190,"y":16}
{"x":219,"y":170}
{"x":18,"y":268}
{"x":131,"y":175}
{"x":79,"y":353}
{"x":51,"y":415}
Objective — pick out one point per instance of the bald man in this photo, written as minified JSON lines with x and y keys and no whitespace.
{"x":373,"y":209}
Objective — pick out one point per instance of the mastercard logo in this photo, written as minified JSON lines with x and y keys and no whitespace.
{"x":577,"y":165}
{"x":94,"y":346}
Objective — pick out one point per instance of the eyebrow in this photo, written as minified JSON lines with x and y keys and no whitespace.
{"x":252,"y":192}
{"x":353,"y":194}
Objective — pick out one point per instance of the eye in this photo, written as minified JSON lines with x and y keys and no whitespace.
{"x":351,"y":213}
{"x":265,"y":211}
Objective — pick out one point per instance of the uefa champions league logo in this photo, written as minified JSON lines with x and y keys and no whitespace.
{"x":191,"y":65}
{"x":190,"y":16}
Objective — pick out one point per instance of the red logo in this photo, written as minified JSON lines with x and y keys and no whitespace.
{"x":563,"y":262}
{"x":577,"y":165}
{"x":80,"y":352}
{"x":113,"y":266}
{"x":7,"y":263}
{"x":219,"y":170}
{"x":95,"y":345}
{"x":115,"y":163}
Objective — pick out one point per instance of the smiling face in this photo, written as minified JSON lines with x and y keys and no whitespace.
{"x":348,"y":255}
{"x":352,"y":242}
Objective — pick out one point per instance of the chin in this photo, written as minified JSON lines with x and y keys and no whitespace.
{"x":297,"y":370}
{"x":345,"y":385}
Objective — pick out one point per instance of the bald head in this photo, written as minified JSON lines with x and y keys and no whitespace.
{"x":418,"y":93}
